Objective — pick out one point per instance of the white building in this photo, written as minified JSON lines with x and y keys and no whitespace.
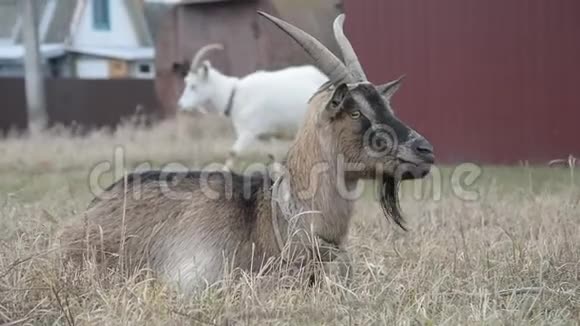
{"x":91,"y":39}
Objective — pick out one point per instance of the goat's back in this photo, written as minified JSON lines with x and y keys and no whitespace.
{"x":271,"y":101}
{"x":181,"y":225}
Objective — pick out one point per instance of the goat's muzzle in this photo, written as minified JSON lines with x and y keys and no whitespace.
{"x":416,"y":158}
{"x":423,"y":150}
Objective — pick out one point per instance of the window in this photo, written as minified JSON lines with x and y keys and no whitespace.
{"x":144,"y":68}
{"x":101,"y":15}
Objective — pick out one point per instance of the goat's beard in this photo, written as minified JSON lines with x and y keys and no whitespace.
{"x":389,"y":200}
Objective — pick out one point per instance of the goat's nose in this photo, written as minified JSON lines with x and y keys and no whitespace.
{"x":424,"y":150}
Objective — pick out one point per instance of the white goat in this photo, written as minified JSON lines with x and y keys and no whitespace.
{"x":261,"y":105}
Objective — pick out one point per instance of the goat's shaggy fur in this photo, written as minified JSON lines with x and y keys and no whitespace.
{"x":191,"y":239}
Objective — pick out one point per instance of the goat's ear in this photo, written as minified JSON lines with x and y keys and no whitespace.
{"x":335,"y":104}
{"x":204,"y":70}
{"x":389,"y":89}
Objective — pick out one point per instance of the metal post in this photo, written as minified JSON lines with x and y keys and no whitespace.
{"x":34,"y":76}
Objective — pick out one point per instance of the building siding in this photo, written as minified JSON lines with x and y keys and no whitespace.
{"x":490,"y":81}
{"x":121,"y":34}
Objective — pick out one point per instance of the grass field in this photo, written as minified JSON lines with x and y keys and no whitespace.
{"x":509,"y":257}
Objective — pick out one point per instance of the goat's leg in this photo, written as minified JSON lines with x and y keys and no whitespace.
{"x":245,"y":139}
{"x":335,"y":261}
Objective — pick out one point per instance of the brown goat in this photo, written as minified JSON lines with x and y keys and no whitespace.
{"x":349,"y":134}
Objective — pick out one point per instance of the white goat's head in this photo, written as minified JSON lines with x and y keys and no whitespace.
{"x":199,"y":84}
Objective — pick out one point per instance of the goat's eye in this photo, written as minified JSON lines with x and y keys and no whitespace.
{"x":355,"y":114}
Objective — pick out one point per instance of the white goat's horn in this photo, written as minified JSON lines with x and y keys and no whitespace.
{"x":324,"y":58}
{"x":203,"y":52}
{"x":350,"y":59}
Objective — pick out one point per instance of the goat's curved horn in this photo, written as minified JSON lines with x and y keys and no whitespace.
{"x":324,"y":58}
{"x":350,"y":58}
{"x":203,"y":52}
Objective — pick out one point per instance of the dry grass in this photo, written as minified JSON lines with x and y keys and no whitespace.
{"x":510,"y":258}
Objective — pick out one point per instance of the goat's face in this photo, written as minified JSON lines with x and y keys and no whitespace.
{"x":364,"y":130}
{"x":371,"y":138}
{"x":198,"y":88}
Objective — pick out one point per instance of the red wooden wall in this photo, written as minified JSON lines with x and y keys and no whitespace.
{"x":491,"y":81}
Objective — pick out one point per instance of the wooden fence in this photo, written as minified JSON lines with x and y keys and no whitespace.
{"x":83,"y":103}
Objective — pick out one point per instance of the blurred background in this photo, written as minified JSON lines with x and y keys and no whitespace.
{"x":487,"y":81}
